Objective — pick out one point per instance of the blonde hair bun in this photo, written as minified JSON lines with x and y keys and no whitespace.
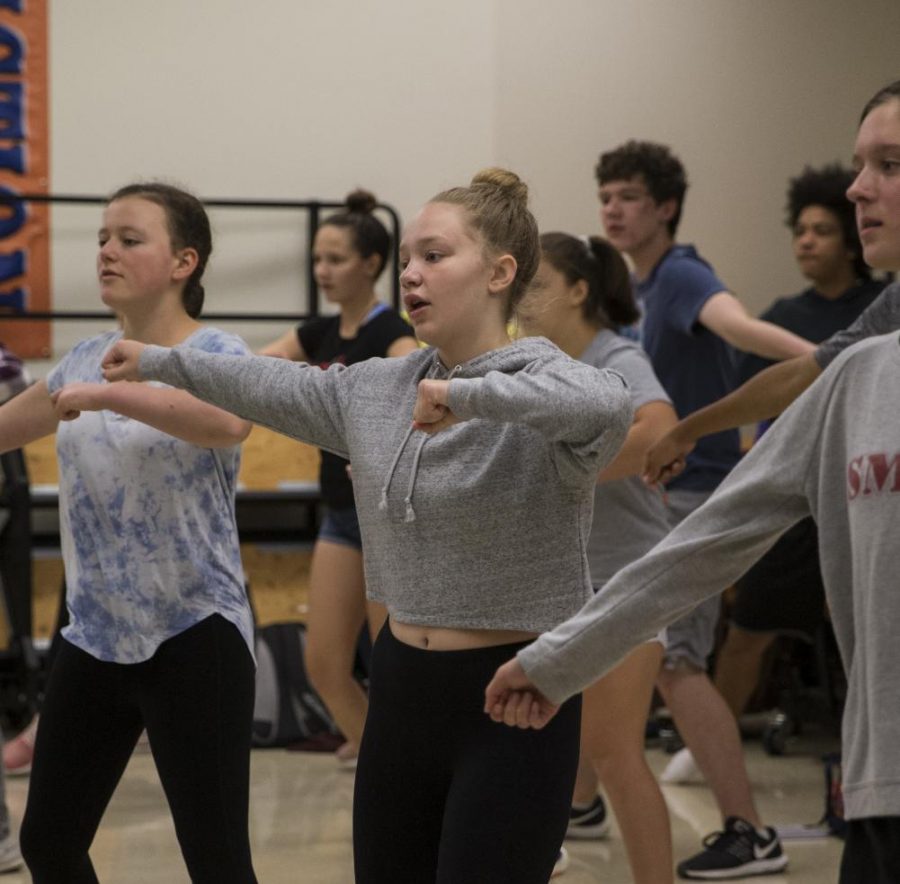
{"x":512,"y":185}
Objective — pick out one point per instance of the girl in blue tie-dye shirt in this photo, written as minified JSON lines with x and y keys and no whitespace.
{"x":160,"y":633}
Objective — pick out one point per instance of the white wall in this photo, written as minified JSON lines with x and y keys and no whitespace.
{"x":299,"y":99}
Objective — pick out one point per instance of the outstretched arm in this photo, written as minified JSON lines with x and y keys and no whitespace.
{"x":27,"y":417}
{"x":765,"y":395}
{"x":725,"y":315}
{"x":512,"y":698}
{"x":763,"y":496}
{"x":651,"y":421}
{"x":171,"y":411}
{"x":292,"y":398}
{"x":285,"y":347}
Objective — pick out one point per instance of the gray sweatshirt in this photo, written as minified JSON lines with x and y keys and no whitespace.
{"x":834,"y":454}
{"x":482,"y":526}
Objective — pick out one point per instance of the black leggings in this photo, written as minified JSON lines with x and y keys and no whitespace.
{"x":872,"y":851}
{"x":443,"y":794}
{"x":195,"y":698}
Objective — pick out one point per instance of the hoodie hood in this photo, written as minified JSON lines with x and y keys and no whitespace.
{"x":513,"y":357}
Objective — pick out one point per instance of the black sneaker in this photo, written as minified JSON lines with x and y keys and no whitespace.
{"x":588,"y":822}
{"x":736,"y":852}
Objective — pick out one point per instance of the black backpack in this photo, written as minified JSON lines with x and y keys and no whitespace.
{"x":287,"y":709}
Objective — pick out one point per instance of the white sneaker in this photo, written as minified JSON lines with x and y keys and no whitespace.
{"x":681,"y":769}
{"x":18,"y":752}
{"x":562,"y":862}
{"x":10,"y":855}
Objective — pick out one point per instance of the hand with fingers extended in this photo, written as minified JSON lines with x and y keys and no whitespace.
{"x":121,"y":362}
{"x":511,"y":698}
{"x":666,"y":458}
{"x":431,"y":413}
{"x":72,"y":399}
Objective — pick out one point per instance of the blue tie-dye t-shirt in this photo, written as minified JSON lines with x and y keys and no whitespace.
{"x":147,"y":521}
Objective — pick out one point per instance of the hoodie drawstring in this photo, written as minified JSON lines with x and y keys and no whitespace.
{"x":410,"y":515}
{"x":413,"y":473}
{"x":383,"y":503}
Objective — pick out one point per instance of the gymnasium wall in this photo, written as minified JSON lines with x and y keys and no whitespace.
{"x":299,"y":99}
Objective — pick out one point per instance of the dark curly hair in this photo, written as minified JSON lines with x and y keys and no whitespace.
{"x":827,"y":187}
{"x":661,"y":170}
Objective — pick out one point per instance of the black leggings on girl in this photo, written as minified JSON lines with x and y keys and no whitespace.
{"x":195,"y":698}
{"x":443,"y":794}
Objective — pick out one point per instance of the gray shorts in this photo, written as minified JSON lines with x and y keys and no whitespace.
{"x":690,"y":640}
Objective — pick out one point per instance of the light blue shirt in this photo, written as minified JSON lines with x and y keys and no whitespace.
{"x":147,"y":521}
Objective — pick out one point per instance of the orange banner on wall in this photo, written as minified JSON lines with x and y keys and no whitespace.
{"x":24,"y":168}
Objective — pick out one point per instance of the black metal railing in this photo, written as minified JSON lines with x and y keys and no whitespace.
{"x":314,"y":209}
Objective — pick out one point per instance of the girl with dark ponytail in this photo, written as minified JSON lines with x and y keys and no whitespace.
{"x":581,"y":294}
{"x":350,"y":251}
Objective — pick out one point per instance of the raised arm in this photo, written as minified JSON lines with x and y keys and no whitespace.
{"x":765,"y":395}
{"x":171,"y":411}
{"x":292,"y":398}
{"x":285,"y":347}
{"x":725,"y":315}
{"x":587,"y":411}
{"x":763,"y":496}
{"x":27,"y":417}
{"x":651,"y":421}
{"x":567,"y":401}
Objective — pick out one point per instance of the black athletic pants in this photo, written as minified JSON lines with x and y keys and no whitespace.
{"x":195,"y":698}
{"x":872,"y":851}
{"x":443,"y":794}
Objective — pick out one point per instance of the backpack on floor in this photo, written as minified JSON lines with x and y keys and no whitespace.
{"x":287,"y":709}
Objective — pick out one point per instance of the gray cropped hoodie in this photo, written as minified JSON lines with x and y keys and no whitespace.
{"x":482,"y":526}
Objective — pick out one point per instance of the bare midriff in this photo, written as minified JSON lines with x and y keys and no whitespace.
{"x":437,"y":638}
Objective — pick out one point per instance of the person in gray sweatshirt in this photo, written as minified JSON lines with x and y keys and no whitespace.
{"x":474,"y":463}
{"x":834,"y":455}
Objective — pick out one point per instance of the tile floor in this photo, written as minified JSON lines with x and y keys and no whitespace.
{"x":301,"y":823}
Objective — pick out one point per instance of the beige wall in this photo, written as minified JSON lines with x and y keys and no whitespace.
{"x":746,"y":92}
{"x":298,"y":99}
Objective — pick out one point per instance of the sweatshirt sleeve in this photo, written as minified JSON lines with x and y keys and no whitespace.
{"x":764,"y":495}
{"x":879,"y":318}
{"x":586,"y":411}
{"x":292,"y":398}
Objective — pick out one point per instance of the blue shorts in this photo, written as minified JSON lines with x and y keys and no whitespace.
{"x":342,"y":527}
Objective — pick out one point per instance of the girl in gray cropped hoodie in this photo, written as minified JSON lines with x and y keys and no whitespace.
{"x":474,"y":463}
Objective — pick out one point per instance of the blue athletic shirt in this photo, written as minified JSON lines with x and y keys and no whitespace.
{"x":694,"y":365}
{"x":147,"y":521}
